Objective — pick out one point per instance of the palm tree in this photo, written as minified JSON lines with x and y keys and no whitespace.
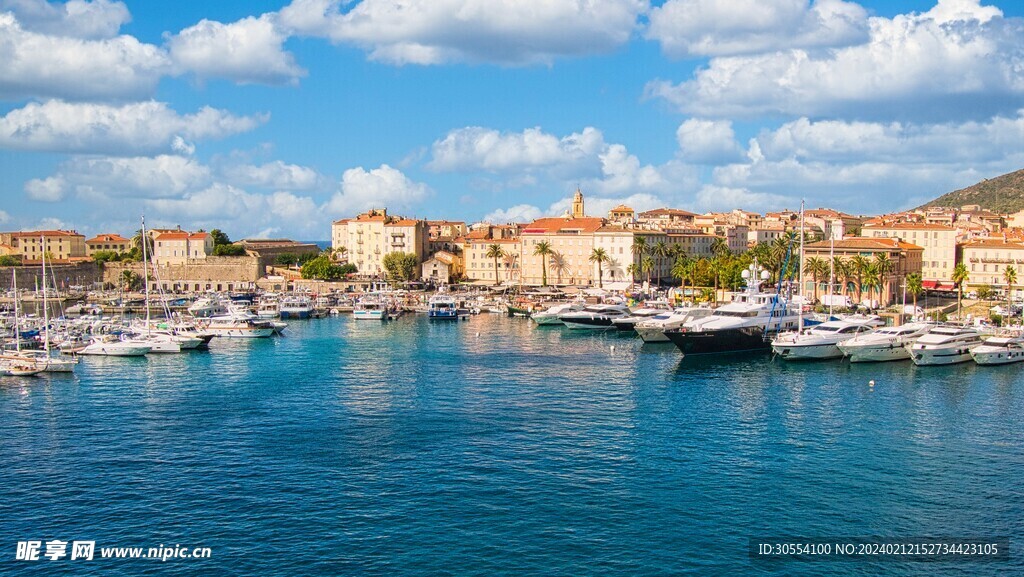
{"x":543,"y":248}
{"x":599,"y":256}
{"x":1010,"y":276}
{"x":639,"y":246}
{"x":494,"y":251}
{"x":632,"y":270}
{"x":558,"y":265}
{"x":646,"y":266}
{"x":858,"y":267}
{"x":660,"y":250}
{"x":719,"y":246}
{"x":718,"y":265}
{"x":914,"y":286}
{"x":885,"y":265}
{"x":136,"y":242}
{"x":814,"y":267}
{"x":872,"y":279}
{"x":679,"y":271}
{"x":960,"y":276}
{"x":841,"y":270}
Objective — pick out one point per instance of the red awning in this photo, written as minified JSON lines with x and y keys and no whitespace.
{"x":929,"y":284}
{"x":946,"y":286}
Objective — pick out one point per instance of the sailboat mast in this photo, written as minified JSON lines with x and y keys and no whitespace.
{"x":46,"y":303}
{"x":145,"y":273}
{"x":831,"y":271}
{"x":800,"y":263}
{"x":17,"y":313}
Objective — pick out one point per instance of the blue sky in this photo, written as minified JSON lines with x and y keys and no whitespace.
{"x":274,"y":118}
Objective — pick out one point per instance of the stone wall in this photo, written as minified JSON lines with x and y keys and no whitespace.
{"x":225,"y":272}
{"x":80,"y":274}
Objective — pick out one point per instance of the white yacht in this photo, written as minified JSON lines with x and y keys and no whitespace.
{"x":884,"y":344}
{"x":744,"y":325}
{"x":239,"y":327}
{"x":1000,"y":350}
{"x":945,"y":345}
{"x":652,"y":330}
{"x":18,"y":366}
{"x":371,"y":308}
{"x":115,"y":346}
{"x":295,"y":307}
{"x":206,"y":307}
{"x":269,"y":308}
{"x":821,"y":341}
{"x":594,"y":317}
{"x":649,"y":310}
{"x":550,"y":316}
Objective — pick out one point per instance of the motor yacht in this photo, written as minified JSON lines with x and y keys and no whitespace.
{"x":111,"y":345}
{"x":649,"y":310}
{"x":594,"y":317}
{"x":945,"y":345}
{"x":370,"y":307}
{"x":821,"y":341}
{"x":550,"y":316}
{"x":1000,"y":349}
{"x":652,"y":330}
{"x":884,"y":344}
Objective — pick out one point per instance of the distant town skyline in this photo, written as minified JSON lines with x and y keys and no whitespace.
{"x":271,"y":119}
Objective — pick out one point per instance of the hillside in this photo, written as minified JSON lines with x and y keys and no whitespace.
{"x":1002,"y":194}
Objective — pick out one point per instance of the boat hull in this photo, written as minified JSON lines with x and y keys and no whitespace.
{"x":996,"y":355}
{"x":370,"y":315}
{"x":816,"y":352}
{"x":115,"y":351}
{"x":876,"y":353}
{"x":652,"y":334}
{"x":598,"y":324}
{"x":737,"y":340}
{"x":546,"y":320}
{"x":943,"y":356}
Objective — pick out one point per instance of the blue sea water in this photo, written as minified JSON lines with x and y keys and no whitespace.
{"x":495,"y":447}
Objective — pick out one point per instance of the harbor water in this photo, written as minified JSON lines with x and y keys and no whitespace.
{"x":496,"y":447}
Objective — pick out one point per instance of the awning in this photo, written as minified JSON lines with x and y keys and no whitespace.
{"x":929,"y":284}
{"x":945,"y":286}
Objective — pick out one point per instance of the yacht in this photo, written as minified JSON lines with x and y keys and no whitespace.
{"x":18,"y":366}
{"x":594,"y":317}
{"x":237,"y":327}
{"x":884,"y":344}
{"x":945,"y":345}
{"x":550,"y":316}
{"x":115,"y":346}
{"x":370,"y":308}
{"x":1000,"y":350}
{"x":51,"y":364}
{"x":821,"y":341}
{"x":442,"y":307}
{"x":745,"y":324}
{"x":269,"y":308}
{"x":296,"y":307}
{"x":652,"y":330}
{"x":206,"y":307}
{"x":650,"y":310}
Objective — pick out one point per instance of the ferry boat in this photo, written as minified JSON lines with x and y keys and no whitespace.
{"x":370,"y":308}
{"x":296,"y":307}
{"x":821,"y":341}
{"x":945,"y":345}
{"x":594,"y":317}
{"x":653,"y":329}
{"x":746,"y":324}
{"x":442,"y":307}
{"x":884,"y":344}
{"x":1000,"y":350}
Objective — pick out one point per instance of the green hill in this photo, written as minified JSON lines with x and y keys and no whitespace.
{"x":1002,"y":194}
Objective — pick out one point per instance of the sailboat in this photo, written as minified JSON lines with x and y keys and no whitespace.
{"x":53,"y":364}
{"x":18,"y":364}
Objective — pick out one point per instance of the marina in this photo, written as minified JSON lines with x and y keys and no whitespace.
{"x":328,"y":432}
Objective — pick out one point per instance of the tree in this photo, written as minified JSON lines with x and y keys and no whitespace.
{"x":720,"y":246}
{"x":558,"y":265}
{"x":130,"y":280}
{"x":10,"y":260}
{"x":322,"y":268}
{"x":494,"y":251}
{"x":841,"y":270}
{"x":1010,"y":276}
{"x":915,"y":286}
{"x":137,"y":243}
{"x":680,"y":271}
{"x":348,"y":268}
{"x":960,"y":276}
{"x":858,"y":267}
{"x":543,"y":249}
{"x":816,"y":267}
{"x":984,"y":292}
{"x":646,"y":266}
{"x":872,"y":279}
{"x":219,"y":238}
{"x":632,"y":270}
{"x":102,"y":257}
{"x":400,"y":266}
{"x":599,"y":256}
{"x":229,"y":250}
{"x":660,"y":250}
{"x":885,"y":265}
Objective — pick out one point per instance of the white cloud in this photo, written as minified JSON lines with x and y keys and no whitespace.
{"x":39,"y":65}
{"x":247,"y":51}
{"x":713,"y":197}
{"x":478,"y":148}
{"x":713,"y":28}
{"x":98,"y":128}
{"x":4,"y":217}
{"x":379,"y":187}
{"x":600,"y":206}
{"x":77,"y":18}
{"x":274,"y":174}
{"x":517,"y":213}
{"x":512,"y":32}
{"x":958,"y":60}
{"x":707,"y":141}
{"x":164,"y":176}
{"x":49,"y":189}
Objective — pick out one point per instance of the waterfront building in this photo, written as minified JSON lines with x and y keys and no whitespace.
{"x":905,"y":258}
{"x":765,"y":233}
{"x":179,"y":246}
{"x":938,"y":241}
{"x":441,"y":268}
{"x":986,"y":261}
{"x":480,"y":267}
{"x":60,"y":245}
{"x":571,"y":240}
{"x":372,"y":235}
{"x":107,"y":242}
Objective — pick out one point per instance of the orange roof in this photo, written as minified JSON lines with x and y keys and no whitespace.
{"x":38,"y":233}
{"x":860,"y":242}
{"x":107,"y":238}
{"x":909,"y":225}
{"x":994,"y":243}
{"x":562,"y":225}
{"x":478,"y":234}
{"x":622,"y":208}
{"x":667,"y":212}
{"x":402,"y":222}
{"x":342,"y":220}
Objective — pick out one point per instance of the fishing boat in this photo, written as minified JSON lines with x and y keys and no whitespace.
{"x":296,"y":307}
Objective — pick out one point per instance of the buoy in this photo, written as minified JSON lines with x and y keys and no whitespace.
{"x":613,"y":348}
{"x":871,"y":383}
{"x":478,"y":333}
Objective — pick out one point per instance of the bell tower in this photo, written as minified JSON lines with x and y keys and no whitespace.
{"x":577,"y":204}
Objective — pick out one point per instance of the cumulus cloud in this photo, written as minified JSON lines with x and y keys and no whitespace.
{"x":134,"y":128}
{"x":478,"y":148}
{"x":517,"y":213}
{"x":250,"y":50}
{"x":41,"y":65}
{"x":958,"y":60}
{"x":76,"y":18}
{"x":379,"y":187}
{"x":275,"y":174}
{"x":712,"y":197}
{"x":4,"y":217}
{"x":707,"y":141}
{"x":687,"y":28}
{"x":49,"y":189}
{"x":513,"y":32}
{"x":101,"y":178}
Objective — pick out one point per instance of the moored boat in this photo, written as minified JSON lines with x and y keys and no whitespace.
{"x":945,"y":345}
{"x":884,"y":344}
{"x":1000,"y":350}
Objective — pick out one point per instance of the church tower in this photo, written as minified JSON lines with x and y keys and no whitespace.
{"x":577,"y":204}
